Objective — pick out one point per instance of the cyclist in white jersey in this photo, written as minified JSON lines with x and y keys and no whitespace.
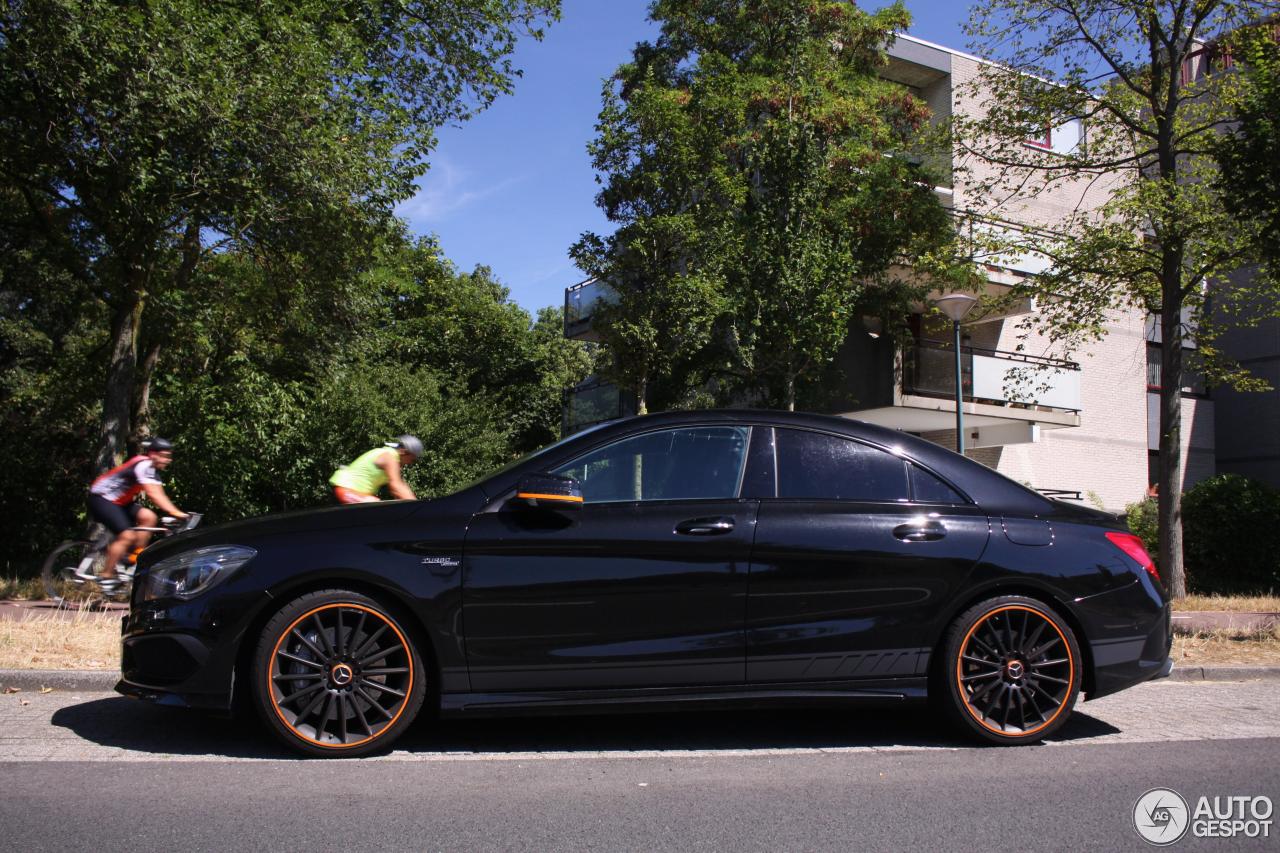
{"x":111,"y":502}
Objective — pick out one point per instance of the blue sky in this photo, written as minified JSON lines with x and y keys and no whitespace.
{"x":514,"y":188}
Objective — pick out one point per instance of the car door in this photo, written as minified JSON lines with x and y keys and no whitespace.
{"x":644,"y":585}
{"x":856,"y":551}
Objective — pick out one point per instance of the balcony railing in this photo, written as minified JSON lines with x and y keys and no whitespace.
{"x":579,"y":303}
{"x":591,"y":403}
{"x":992,"y":376}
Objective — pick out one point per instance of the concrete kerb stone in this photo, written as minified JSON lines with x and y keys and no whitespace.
{"x":91,"y":680}
{"x":1225,"y":673}
{"x":100,"y":680}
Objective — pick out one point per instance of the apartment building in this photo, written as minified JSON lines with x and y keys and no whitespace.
{"x":1084,"y":429}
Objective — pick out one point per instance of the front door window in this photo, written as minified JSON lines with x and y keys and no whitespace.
{"x":667,"y":465}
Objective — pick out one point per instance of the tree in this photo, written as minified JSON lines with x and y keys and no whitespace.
{"x":141,"y":139}
{"x":749,"y":158}
{"x":1139,"y":76}
{"x":1250,"y":157}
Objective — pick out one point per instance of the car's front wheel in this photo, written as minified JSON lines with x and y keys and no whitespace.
{"x":1011,"y":670}
{"x":336,"y":674}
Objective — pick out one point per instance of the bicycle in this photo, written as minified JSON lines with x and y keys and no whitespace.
{"x":77,"y":564}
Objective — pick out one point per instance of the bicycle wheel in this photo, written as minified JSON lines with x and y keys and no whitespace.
{"x":59,"y":572}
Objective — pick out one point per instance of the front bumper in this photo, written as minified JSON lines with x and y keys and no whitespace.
{"x":184,"y":654}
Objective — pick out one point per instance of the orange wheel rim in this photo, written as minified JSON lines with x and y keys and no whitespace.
{"x":340,"y":676}
{"x":1015,"y":673}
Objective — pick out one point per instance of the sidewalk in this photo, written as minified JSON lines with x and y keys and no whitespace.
{"x":99,"y":680}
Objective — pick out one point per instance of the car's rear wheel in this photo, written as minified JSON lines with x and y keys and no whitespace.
{"x":336,"y":674}
{"x":1011,"y":670}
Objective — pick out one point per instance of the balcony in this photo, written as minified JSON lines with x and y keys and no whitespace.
{"x":1008,"y":397}
{"x":579,"y":303}
{"x":593,"y":402}
{"x":992,"y":377}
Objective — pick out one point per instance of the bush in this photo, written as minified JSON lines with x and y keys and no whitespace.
{"x":1143,"y":521}
{"x":1231,"y":536}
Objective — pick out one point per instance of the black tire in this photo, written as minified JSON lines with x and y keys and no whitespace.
{"x":66,"y":556}
{"x":336,"y":674}
{"x":1011,"y":671}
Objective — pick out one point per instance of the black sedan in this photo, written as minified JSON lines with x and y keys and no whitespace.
{"x":657,"y":563}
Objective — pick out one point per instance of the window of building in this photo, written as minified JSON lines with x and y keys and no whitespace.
{"x":1193,"y":384}
{"x":1064,"y":138}
{"x":826,"y":467}
{"x":675,"y":464}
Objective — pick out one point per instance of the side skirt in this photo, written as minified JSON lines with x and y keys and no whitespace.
{"x":893,"y":692}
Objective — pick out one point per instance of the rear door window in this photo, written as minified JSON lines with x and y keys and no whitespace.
{"x":818,"y":466}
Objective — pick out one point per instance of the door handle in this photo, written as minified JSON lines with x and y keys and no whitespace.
{"x":920,"y":531}
{"x":705,"y":526}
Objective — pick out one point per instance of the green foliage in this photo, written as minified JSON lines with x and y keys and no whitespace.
{"x":748,"y":157}
{"x":1141,"y":219}
{"x":1232,"y":529}
{"x":266,"y":387}
{"x":137,"y":140}
{"x":1143,"y":521}
{"x":1250,"y":157}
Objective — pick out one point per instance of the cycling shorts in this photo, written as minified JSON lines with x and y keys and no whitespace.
{"x":114,"y":517}
{"x":343,"y":495}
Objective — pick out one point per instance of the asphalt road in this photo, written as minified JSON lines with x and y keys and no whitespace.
{"x":91,"y":771}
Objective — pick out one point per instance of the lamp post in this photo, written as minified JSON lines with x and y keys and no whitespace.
{"x":957,"y":306}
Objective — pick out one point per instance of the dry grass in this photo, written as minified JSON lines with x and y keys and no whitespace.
{"x":1234,"y":603}
{"x":21,"y":589}
{"x":1258,"y":648}
{"x":81,"y":640}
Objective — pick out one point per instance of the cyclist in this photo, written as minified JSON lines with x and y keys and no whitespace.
{"x":360,"y":481}
{"x":111,"y":502}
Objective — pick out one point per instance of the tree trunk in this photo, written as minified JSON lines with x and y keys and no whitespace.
{"x":117,"y":401}
{"x":1169,"y":480}
{"x":789,"y":389}
{"x":142,"y":411}
{"x":642,"y":398}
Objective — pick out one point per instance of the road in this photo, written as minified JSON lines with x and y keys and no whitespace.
{"x":81,"y":770}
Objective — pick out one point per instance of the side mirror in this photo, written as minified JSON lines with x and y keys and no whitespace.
{"x":549,"y":491}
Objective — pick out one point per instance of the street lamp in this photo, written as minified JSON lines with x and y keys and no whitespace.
{"x":957,"y":306}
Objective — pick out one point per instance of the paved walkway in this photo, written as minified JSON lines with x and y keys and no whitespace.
{"x":83,"y":726}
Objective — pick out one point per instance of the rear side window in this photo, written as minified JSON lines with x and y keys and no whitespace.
{"x":926,"y":488}
{"x":826,"y":467}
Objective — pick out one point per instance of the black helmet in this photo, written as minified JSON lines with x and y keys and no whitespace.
{"x":409,"y":444}
{"x":156,"y":445}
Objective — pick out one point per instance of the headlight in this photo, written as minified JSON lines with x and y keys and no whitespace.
{"x":194,"y":572}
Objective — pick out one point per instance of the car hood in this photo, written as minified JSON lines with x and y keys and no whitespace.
{"x":298,"y":521}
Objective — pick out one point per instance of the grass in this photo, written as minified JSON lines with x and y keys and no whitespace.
{"x":1228,"y":648}
{"x":1234,"y":603}
{"x":21,"y":589}
{"x":87,"y":640}
{"x":80,"y":640}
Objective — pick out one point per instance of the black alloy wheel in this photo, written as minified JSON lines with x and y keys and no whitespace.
{"x":336,"y":674}
{"x":1012,"y":670}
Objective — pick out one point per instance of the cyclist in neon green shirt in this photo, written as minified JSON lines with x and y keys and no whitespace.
{"x":360,"y":481}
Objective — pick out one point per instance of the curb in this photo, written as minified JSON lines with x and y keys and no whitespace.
{"x":97,"y":680}
{"x":1225,"y":673}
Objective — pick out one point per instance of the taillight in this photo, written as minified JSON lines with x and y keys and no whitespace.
{"x":1133,"y":547}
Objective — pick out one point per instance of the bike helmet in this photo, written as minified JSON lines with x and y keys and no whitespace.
{"x":156,"y":445}
{"x":409,"y":444}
